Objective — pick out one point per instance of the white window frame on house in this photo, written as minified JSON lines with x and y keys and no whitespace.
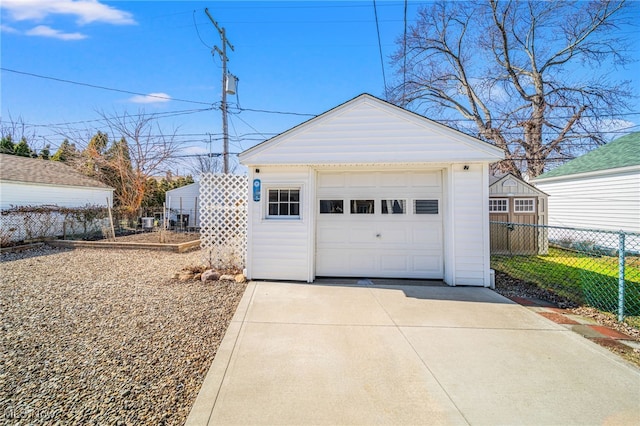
{"x":362,"y":206}
{"x":426,"y":206}
{"x":493,"y":203}
{"x":524,"y":207}
{"x":269,"y":203}
{"x":393,"y":206}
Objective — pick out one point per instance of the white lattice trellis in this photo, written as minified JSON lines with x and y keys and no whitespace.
{"x":223,"y":219}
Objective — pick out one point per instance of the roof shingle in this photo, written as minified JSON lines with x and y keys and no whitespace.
{"x":35,"y":170}
{"x":621,"y":152}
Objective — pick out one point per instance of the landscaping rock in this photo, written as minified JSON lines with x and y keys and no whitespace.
{"x":130,"y":346}
{"x":240,"y":278}
{"x":209,"y":275}
{"x":227,"y":277}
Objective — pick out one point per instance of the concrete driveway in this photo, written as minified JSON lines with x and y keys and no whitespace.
{"x":357,"y":353}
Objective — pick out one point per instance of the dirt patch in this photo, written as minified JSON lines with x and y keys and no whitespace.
{"x":164,"y":237}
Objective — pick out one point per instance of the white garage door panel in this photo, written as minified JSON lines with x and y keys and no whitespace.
{"x":431,"y":235}
{"x":397,"y":263}
{"x":380,"y":245}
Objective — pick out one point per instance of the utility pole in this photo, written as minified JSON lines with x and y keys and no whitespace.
{"x":223,"y":106}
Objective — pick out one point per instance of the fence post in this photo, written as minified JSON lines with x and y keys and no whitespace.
{"x":621,"y":277}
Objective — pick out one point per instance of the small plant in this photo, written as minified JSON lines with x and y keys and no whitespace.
{"x":225,"y":260}
{"x":5,"y":236}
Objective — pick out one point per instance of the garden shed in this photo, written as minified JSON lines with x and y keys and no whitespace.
{"x":34,"y":182}
{"x":598,"y":190}
{"x":182,"y":206}
{"x":512,"y":200}
{"x":368,"y":189}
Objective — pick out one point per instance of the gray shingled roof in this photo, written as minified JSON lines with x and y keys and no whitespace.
{"x":621,"y":152}
{"x":35,"y":170}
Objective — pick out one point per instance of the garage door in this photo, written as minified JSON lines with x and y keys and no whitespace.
{"x":379,"y":224}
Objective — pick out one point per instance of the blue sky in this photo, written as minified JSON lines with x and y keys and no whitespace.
{"x":302,"y":57}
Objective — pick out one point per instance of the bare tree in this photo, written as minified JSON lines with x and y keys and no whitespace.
{"x":139,"y":150}
{"x":207,"y":163}
{"x":523,"y":75}
{"x":16,"y":130}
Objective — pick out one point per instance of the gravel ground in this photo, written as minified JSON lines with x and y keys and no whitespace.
{"x":93,"y":336}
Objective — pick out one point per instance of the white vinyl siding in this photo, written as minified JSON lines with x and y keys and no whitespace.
{"x":279,"y":249}
{"x":366,"y":138}
{"x":470,"y":238}
{"x":370,"y":132}
{"x":184,"y":200}
{"x":28,"y":194}
{"x":610,"y":202}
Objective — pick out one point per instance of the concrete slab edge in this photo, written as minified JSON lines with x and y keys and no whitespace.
{"x":205,"y":401}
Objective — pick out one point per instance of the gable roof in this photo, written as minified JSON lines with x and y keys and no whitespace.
{"x":496,"y":181}
{"x":621,"y":152}
{"x":367,"y":130}
{"x":14,"y":168}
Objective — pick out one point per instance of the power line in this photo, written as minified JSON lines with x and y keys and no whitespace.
{"x":404,"y":54}
{"x":384,"y":77}
{"x":240,"y":109}
{"x":195,"y":24}
{"x":95,"y":86}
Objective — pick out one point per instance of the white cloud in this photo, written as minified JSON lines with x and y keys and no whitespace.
{"x":8,"y":29}
{"x":150,"y":98}
{"x":195,"y":150}
{"x":86,"y":11}
{"x":45,"y":31}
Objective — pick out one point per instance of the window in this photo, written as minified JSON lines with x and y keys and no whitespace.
{"x":425,"y":206}
{"x":524,"y":205}
{"x":361,"y":206}
{"x":284,"y":202}
{"x":331,"y":206}
{"x":394,"y":206}
{"x":498,"y":205}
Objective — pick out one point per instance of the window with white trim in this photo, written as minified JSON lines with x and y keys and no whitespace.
{"x":425,"y":206}
{"x":498,"y":205}
{"x":524,"y":205}
{"x":362,"y":207}
{"x":394,"y":206}
{"x":331,"y":206}
{"x":284,"y":203}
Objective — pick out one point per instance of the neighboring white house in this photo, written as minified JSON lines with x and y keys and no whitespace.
{"x":34,"y":182}
{"x":369,"y":189}
{"x":182,"y":204}
{"x":598,"y":190}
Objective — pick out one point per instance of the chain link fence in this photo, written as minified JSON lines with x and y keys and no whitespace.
{"x":32,"y":223}
{"x":587,"y":266}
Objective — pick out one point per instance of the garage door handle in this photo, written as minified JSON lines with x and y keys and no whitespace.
{"x":378,"y":235}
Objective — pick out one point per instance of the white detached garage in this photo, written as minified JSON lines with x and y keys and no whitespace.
{"x":369,"y":189}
